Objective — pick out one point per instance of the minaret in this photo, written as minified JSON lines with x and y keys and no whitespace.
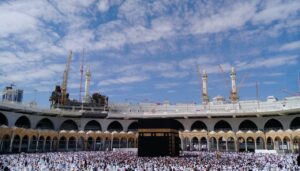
{"x":233,"y":93}
{"x":205,"y":98}
{"x":87,"y":85}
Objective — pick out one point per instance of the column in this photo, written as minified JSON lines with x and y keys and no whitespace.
{"x":217,"y":145}
{"x":246,"y":148}
{"x":67,"y":144}
{"x":226,"y":145}
{"x":255,"y":146}
{"x":266,"y":144}
{"x":76,"y":143}
{"x":103,"y":144}
{"x":20,"y":145}
{"x":181,"y":144}
{"x":119,"y":143}
{"x":11,"y":141}
{"x":37,"y":144}
{"x":44,"y":144}
{"x":84,"y":144}
{"x":51,"y":141}
{"x":1,"y":144}
{"x":199,"y":145}
{"x":127,"y":143}
{"x":208,"y":144}
{"x":235,"y":145}
{"x":29,"y":142}
{"x":111,"y":142}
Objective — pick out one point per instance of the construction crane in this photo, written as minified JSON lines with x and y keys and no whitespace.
{"x":293,"y":93}
{"x":244,"y":77}
{"x":224,"y":75}
{"x":65,"y":80}
{"x":81,"y":76}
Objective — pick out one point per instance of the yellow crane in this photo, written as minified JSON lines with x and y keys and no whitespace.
{"x":65,"y":80}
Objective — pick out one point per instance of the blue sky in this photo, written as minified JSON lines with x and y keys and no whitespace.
{"x":148,"y":50}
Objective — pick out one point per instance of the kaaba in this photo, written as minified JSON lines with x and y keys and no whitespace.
{"x":158,"y":137}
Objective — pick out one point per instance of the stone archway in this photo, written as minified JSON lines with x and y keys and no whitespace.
{"x":248,"y":125}
{"x":230,"y":144}
{"x":250,"y":144}
{"x":107,"y":144}
{"x":195,"y":144}
{"x":131,"y":143}
{"x":23,"y":122}
{"x":198,"y":125}
{"x":212,"y":144}
{"x":40,"y":146}
{"x":90,"y":144}
{"x":273,"y":124}
{"x":222,"y":144}
{"x":16,"y":144}
{"x":186,"y":144}
{"x":54,"y":144}
{"x":80,"y":144}
{"x":222,"y":126}
{"x":270,"y":144}
{"x":241,"y":144}
{"x":69,"y":125}
{"x":277,"y":143}
{"x":116,"y":142}
{"x":93,"y":126}
{"x":3,"y":120}
{"x":203,"y":144}
{"x":98,"y":145}
{"x":62,"y":144}
{"x":178,"y":125}
{"x":115,"y":126}
{"x":24,"y":145}
{"x":295,"y":124}
{"x":260,"y":143}
{"x":133,"y":127}
{"x":123,"y":142}
{"x":48,"y":143}
{"x":5,"y":144}
{"x":286,"y":144}
{"x":72,"y":144}
{"x":45,"y":124}
{"x":33,"y":144}
{"x":296,"y":144}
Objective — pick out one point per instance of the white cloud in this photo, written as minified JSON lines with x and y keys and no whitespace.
{"x":174,"y":74}
{"x":268,"y":62}
{"x":191,"y":63}
{"x":123,"y":80}
{"x":290,"y":46}
{"x":13,"y":22}
{"x":276,"y":10}
{"x":144,"y":39}
{"x":228,"y":18}
{"x":103,"y":5}
{"x":165,"y":85}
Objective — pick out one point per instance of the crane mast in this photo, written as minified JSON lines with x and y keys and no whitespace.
{"x":65,"y":80}
{"x":81,"y":76}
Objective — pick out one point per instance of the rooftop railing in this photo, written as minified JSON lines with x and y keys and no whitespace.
{"x":147,"y":109}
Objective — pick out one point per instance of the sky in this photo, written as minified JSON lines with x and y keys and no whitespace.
{"x":149,"y":50}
